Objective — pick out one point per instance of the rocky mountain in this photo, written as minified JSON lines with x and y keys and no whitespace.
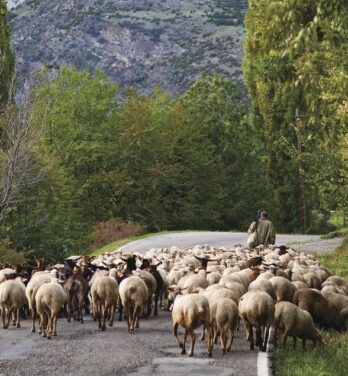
{"x":141,"y":43}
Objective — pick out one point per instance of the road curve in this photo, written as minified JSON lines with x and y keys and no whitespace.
{"x":217,"y":239}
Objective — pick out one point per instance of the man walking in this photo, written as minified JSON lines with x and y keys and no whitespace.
{"x":265,"y":233}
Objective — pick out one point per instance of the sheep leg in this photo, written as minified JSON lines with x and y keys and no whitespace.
{"x":175,"y":333}
{"x":81,"y":301}
{"x":120,"y":309}
{"x":203,"y":334}
{"x":284,"y":338}
{"x":259,"y":337}
{"x":70,"y":309}
{"x":49,"y":326}
{"x":99,"y":314}
{"x":304,"y":344}
{"x":266,"y":335}
{"x":231,"y":338}
{"x":42,"y":325}
{"x":210,"y":340}
{"x":193,"y":340}
{"x":156,"y":304}
{"x":14,"y":317}
{"x":294,"y":340}
{"x":104,"y":312}
{"x":18,"y":324}
{"x":250,"y":334}
{"x":3,"y":313}
{"x":223,"y":340}
{"x":128,"y":314}
{"x":134,"y":318}
{"x":216,"y":334}
{"x":9,"y":314}
{"x":113,"y":309}
{"x":55,"y":318}
{"x":183,"y":349}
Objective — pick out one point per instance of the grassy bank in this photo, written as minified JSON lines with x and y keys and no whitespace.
{"x":328,"y":360}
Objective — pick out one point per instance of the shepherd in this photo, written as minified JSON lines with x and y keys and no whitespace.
{"x":261,"y":231}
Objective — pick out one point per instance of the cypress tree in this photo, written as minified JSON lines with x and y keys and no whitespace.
{"x":7,"y":57}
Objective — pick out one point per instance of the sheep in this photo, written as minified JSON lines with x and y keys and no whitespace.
{"x":256,"y":308}
{"x":322,"y":310}
{"x":213,"y":278}
{"x":192,"y":281}
{"x":339,"y":300}
{"x":76,"y":288}
{"x":12,"y":299}
{"x":312,"y":280}
{"x":224,"y":320}
{"x":300,"y":285}
{"x":104,"y":293}
{"x":191,"y":311}
{"x":50,"y":297}
{"x":295,"y":322}
{"x":263,"y":285}
{"x":151,"y":285}
{"x":134,"y":296}
{"x":338,"y":281}
{"x":37,"y":280}
{"x":283,"y":289}
{"x":7,"y":273}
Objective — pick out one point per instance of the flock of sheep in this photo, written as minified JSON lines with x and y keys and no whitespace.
{"x":214,"y":288}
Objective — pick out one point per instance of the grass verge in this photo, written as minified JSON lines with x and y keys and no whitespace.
{"x":119,"y":243}
{"x":328,"y":360}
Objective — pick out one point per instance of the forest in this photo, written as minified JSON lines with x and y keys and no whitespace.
{"x":82,"y":158}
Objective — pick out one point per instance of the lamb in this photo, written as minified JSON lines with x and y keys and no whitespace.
{"x":256,"y":308}
{"x":191,"y":311}
{"x":7,"y":273}
{"x":300,"y":285}
{"x":322,"y":310}
{"x":76,"y":288}
{"x":134,"y":296}
{"x":295,"y":322}
{"x":50,"y":297}
{"x":12,"y":299}
{"x":213,"y":277}
{"x":104,"y":293}
{"x":283,"y":289}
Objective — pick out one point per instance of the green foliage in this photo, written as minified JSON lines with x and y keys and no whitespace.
{"x":8,"y":254}
{"x":154,"y":162}
{"x":7,"y":58}
{"x":295,"y":60}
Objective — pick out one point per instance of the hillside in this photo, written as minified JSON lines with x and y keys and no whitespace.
{"x":136,"y":42}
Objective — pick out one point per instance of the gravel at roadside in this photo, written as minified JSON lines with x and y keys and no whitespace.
{"x":318,"y":246}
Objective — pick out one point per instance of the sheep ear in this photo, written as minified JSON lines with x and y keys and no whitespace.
{"x":123,"y":259}
{"x":171,"y":288}
{"x":198,"y":258}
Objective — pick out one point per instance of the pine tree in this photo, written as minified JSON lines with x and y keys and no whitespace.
{"x":7,"y":57}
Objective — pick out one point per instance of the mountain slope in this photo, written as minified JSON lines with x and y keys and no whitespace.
{"x":136,"y":42}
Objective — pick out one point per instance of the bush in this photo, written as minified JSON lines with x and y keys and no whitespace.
{"x":113,"y":230}
{"x":7,"y":254}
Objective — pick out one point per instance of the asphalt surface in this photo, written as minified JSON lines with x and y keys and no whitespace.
{"x":81,"y":349}
{"x":217,"y":239}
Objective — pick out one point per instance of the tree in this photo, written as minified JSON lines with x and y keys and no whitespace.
{"x":293,"y":50}
{"x":7,"y":57}
{"x":19,"y":169}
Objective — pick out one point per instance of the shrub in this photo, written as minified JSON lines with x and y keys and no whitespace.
{"x":112,"y":230}
{"x":8,"y":254}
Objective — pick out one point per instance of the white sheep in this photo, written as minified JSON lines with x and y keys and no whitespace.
{"x":294,"y":322}
{"x":12,"y":299}
{"x":263,"y":285}
{"x":190,"y":311}
{"x":283,"y":288}
{"x":104,"y":292}
{"x":36,"y":281}
{"x":134,"y":296}
{"x":256,"y":308}
{"x":49,"y":299}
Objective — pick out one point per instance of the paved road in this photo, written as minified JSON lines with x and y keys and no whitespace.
{"x":80,"y":349}
{"x":218,"y":239}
